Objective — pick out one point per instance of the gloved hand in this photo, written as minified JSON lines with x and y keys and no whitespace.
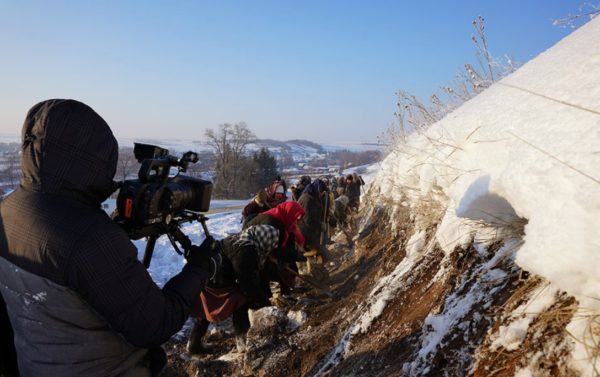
{"x":258,"y":302}
{"x":206,"y":256}
{"x":332,"y":222}
{"x":300,"y":256}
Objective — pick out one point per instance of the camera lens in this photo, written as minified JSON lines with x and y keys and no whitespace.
{"x":187,"y":193}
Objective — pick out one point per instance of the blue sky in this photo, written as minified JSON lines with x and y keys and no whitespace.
{"x":323,"y":70}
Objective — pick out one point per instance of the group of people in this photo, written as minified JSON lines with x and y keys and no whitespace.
{"x":326,"y":201}
{"x":276,"y":234}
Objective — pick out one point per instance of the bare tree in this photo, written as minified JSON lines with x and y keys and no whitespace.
{"x":11,"y":169}
{"x":127,"y":165}
{"x":229,"y":144}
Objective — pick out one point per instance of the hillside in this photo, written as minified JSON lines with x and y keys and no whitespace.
{"x":476,"y":249}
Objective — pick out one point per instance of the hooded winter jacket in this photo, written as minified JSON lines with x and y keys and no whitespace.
{"x":80,"y":302}
{"x":311,"y":224}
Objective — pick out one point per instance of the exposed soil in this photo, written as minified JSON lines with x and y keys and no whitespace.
{"x":349,"y":281}
{"x":393,"y":338}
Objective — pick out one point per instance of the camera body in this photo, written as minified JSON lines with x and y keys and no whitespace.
{"x":148,"y":205}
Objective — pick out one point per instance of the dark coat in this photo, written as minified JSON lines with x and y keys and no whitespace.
{"x":105,"y":311}
{"x":8,"y":354}
{"x":252,"y":209}
{"x":286,"y":255}
{"x":341,"y":211}
{"x":353,"y":192}
{"x":311,"y":224}
{"x":241,"y":267}
{"x":304,"y":181}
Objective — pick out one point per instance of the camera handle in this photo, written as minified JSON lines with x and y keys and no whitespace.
{"x":149,"y":250}
{"x":173,"y":231}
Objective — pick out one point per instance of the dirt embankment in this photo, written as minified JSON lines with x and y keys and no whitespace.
{"x":441,"y":320}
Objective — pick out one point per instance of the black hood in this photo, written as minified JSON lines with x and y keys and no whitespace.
{"x":68,"y":150}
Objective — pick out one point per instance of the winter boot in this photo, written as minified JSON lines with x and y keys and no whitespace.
{"x":194,"y":344}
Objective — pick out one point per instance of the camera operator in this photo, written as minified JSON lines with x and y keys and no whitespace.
{"x":80,"y":302}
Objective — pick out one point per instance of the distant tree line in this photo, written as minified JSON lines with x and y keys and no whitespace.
{"x":236,"y":172}
{"x":345,"y":158}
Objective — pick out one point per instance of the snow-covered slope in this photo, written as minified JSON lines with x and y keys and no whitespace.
{"x":526,"y":151}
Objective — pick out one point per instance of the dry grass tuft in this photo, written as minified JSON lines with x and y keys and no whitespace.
{"x":414,"y":115}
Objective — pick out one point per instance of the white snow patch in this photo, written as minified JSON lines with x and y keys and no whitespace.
{"x":416,"y":243}
{"x":297,"y":318}
{"x":525,"y":372}
{"x":511,"y":336}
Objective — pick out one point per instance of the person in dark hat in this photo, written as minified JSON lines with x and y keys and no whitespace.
{"x":314,"y":224}
{"x":304,"y":181}
{"x":257,"y":205}
{"x":353,"y":184}
{"x":79,"y":301}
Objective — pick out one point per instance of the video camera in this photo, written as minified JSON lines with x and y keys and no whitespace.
{"x":158,"y":202}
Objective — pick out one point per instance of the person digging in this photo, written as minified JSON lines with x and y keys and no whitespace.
{"x":313,"y":225}
{"x":243,"y":286}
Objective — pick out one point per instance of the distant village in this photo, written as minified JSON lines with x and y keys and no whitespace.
{"x":294,"y":158}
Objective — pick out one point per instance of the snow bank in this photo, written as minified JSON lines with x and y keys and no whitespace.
{"x":527,"y":150}
{"x":524,"y":149}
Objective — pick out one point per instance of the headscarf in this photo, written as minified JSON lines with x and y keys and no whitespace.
{"x":317,"y":186}
{"x":288,"y":213}
{"x":263,"y":237}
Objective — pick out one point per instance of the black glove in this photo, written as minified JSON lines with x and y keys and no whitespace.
{"x":300,"y":256}
{"x":332,"y":222}
{"x":207,"y":256}
{"x":258,"y":302}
